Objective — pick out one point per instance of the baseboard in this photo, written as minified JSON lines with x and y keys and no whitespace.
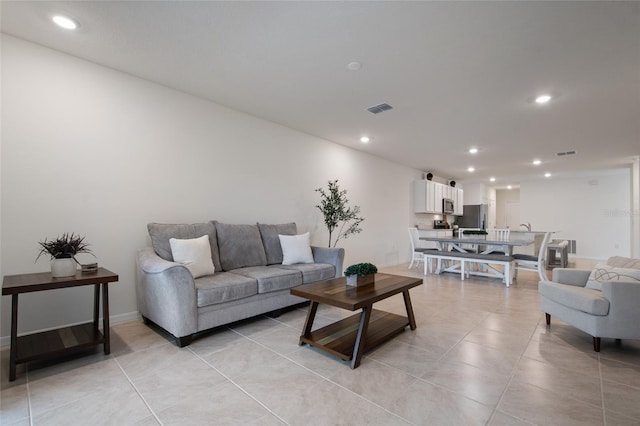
{"x":5,"y":341}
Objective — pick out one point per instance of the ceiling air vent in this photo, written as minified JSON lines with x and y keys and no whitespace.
{"x":377,"y":109}
{"x":563,"y":154}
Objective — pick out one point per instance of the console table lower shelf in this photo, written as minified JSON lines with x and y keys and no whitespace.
{"x":54,"y":343}
{"x":340,"y":338}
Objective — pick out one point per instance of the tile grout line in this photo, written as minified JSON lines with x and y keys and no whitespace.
{"x":512,"y":375}
{"x":234,"y":383}
{"x":135,"y":388}
{"x":29,"y":407}
{"x":320,"y":376}
{"x":604,"y":411}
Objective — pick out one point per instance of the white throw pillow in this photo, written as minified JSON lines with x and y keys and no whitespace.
{"x":194,"y":254}
{"x":602,"y":272}
{"x":296,"y":249}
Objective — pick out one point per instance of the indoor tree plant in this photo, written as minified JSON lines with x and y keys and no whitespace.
{"x":62,"y":251}
{"x":338,"y":216}
{"x":360,"y":274}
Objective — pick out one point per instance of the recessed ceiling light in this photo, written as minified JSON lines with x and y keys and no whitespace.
{"x":471,"y":169}
{"x":536,"y":162}
{"x":65,"y":22}
{"x":473,"y":151}
{"x":354,"y":66}
{"x":543,"y":99}
{"x":364,"y":139}
{"x":547,"y":175}
{"x":509,"y":187}
{"x":492,"y":179}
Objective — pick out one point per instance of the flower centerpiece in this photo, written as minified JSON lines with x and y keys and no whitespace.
{"x":360,"y":274}
{"x":62,"y":251}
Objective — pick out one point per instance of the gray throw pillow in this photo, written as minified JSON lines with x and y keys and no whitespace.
{"x":240,"y":246}
{"x":161,"y":233}
{"x":269,"y":234}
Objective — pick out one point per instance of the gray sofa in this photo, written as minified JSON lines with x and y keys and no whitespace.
{"x":249,"y":277}
{"x":604,"y":302}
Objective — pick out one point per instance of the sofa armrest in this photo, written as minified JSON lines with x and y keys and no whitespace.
{"x":576,"y":277}
{"x":166,"y":293}
{"x":331,"y":255}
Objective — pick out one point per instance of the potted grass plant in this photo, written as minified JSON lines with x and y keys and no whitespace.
{"x":62,"y":251}
{"x":360,"y":274}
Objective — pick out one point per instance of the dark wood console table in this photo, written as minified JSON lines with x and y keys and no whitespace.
{"x":54,"y":343}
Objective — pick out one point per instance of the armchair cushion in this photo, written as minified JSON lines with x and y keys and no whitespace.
{"x":269,"y":234}
{"x":579,"y":298}
{"x":240,"y":246}
{"x":161,"y":233}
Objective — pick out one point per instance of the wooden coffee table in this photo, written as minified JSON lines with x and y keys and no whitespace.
{"x":349,"y":338}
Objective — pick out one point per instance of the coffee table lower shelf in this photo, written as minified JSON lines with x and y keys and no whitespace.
{"x":339,"y":338}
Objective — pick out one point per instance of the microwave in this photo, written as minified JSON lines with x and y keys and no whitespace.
{"x":447,"y":206}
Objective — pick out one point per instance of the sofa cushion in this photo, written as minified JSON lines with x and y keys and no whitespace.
{"x":296,"y":249}
{"x":271,"y":278}
{"x":602,"y":272}
{"x":312,"y":272}
{"x":240,"y":246}
{"x":223,"y":287}
{"x":578,"y":298}
{"x":194,"y":254}
{"x":271,"y":242}
{"x":161,"y":233}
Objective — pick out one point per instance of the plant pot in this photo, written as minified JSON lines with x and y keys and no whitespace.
{"x":360,"y":280}
{"x":63,"y":267}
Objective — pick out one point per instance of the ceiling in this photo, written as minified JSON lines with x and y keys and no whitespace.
{"x":458,"y":74}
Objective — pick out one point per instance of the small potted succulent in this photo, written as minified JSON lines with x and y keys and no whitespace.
{"x":62,"y":251}
{"x":360,"y":274}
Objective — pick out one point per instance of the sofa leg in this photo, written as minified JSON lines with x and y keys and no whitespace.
{"x":183,"y":341}
{"x":618,"y":342}
{"x":145,"y":320}
{"x":596,"y":344}
{"x":548,"y":318}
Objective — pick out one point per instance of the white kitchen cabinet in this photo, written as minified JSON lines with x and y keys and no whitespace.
{"x":438,"y":196}
{"x":428,"y":195}
{"x":458,"y":202}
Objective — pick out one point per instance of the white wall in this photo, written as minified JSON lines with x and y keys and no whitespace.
{"x":101,"y":153}
{"x":593,"y":210}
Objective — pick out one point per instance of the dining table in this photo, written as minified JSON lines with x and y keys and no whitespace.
{"x":478,"y":245}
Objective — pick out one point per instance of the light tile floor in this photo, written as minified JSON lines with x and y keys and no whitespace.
{"x":481,"y":354}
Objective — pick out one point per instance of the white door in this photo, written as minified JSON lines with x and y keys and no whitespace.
{"x":512,"y":216}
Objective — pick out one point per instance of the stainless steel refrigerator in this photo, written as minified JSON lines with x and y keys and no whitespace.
{"x":474,"y":216}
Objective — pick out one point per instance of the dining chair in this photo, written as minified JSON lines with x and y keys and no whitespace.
{"x":528,"y":262}
{"x":499,"y":234}
{"x":417,"y":251}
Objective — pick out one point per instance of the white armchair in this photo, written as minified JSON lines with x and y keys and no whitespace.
{"x":612,"y":312}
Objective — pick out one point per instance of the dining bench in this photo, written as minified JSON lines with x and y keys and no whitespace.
{"x":507,"y":263}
